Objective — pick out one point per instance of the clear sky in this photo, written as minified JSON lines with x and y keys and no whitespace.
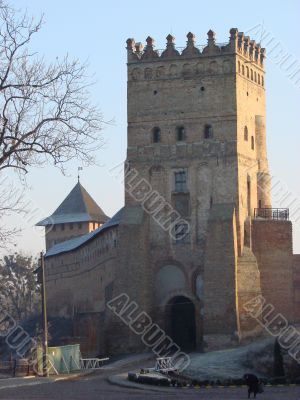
{"x":97,"y":31}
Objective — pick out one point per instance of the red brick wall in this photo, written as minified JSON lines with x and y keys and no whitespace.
{"x":273,"y":247}
{"x":296,"y":285}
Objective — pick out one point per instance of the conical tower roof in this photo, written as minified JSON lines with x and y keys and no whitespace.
{"x":78,"y":206}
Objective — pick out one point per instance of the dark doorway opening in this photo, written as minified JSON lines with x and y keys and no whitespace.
{"x":182,"y":323}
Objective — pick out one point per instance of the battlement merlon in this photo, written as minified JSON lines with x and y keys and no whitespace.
{"x":238,"y":43}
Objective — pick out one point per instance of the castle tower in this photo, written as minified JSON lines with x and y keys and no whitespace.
{"x":77,"y":215}
{"x":204,"y":106}
{"x":197,"y":238}
{"x":197,"y":164}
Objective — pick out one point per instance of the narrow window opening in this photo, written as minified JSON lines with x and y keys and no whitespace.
{"x":127,"y":166}
{"x":156,"y":135}
{"x":246,"y":134}
{"x":252,"y":143}
{"x":180,"y":134}
{"x":208,"y":132}
{"x":180,"y":181}
{"x":249,"y":196}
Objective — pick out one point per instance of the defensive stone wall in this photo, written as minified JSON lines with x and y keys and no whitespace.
{"x":296,"y":285}
{"x":272,"y":245}
{"x":249,"y":288}
{"x":220,"y":287}
{"x":77,"y":280}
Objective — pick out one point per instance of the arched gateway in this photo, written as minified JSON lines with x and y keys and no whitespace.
{"x":182,"y":324}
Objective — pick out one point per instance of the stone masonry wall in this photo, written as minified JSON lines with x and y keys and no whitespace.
{"x":76,"y":280}
{"x":272,"y":245}
{"x":220,"y":270}
{"x":296,"y":285}
{"x":248,"y":288}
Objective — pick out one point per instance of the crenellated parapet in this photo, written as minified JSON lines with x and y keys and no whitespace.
{"x":238,"y":44}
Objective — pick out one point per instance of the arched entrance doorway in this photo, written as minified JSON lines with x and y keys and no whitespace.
{"x":182,"y":322}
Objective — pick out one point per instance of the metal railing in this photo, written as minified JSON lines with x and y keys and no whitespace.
{"x":92,"y":363}
{"x":281,"y":214}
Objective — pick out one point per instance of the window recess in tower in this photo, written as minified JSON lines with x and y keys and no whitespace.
{"x":181,"y":233}
{"x":156,"y":135}
{"x":252,"y":143}
{"x":180,"y":178}
{"x":180,"y":133}
{"x":181,"y":203}
{"x":246,"y":133}
{"x":208,"y":131}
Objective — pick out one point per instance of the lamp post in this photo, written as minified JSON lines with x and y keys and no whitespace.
{"x":44,"y":316}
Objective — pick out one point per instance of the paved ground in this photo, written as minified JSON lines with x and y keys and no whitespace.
{"x":96,"y":387}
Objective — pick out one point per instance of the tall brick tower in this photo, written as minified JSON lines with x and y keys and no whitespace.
{"x":198,"y":237}
{"x":201,"y":111}
{"x":196,"y":134}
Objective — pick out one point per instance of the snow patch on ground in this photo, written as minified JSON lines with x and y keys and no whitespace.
{"x":228,"y":364}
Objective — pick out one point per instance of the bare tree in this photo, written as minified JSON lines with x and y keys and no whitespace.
{"x":46,"y":116}
{"x":45,"y":112}
{"x":11,"y":201}
{"x":19,"y":291}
